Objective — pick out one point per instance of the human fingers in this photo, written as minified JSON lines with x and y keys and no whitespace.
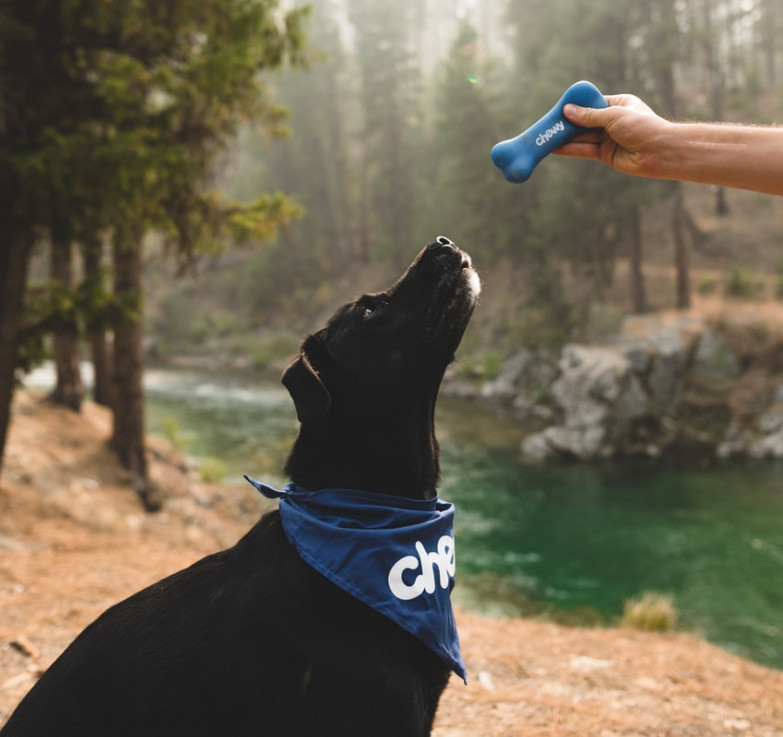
{"x":628,"y":101}
{"x":580,"y":150}
{"x":589,"y":117}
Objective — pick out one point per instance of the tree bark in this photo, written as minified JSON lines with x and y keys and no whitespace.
{"x":666,"y":37}
{"x":16,"y":245}
{"x":722,"y":208}
{"x":770,"y":40}
{"x":96,"y":329}
{"x":364,"y":229}
{"x":128,"y":438}
{"x":636,"y":277}
{"x":681,"y":257}
{"x":69,"y":389}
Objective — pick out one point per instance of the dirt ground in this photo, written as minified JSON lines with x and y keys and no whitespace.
{"x":74,"y":540}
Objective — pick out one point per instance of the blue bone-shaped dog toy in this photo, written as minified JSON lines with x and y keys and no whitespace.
{"x":517,"y":157}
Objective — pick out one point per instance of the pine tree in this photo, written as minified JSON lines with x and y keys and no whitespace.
{"x":316,"y":162}
{"x":155,"y":89}
{"x":585,"y":214}
{"x":389,"y":84}
{"x":469,"y":197}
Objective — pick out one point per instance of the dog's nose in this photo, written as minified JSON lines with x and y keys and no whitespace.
{"x":440,"y":242}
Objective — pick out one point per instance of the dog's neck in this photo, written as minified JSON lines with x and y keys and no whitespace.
{"x":369,"y":453}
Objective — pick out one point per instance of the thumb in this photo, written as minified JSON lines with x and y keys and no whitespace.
{"x":587,"y":117}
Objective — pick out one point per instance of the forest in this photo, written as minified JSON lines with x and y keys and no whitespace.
{"x":282,"y":146}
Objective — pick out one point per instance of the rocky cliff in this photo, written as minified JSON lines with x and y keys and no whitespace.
{"x":658,"y":386}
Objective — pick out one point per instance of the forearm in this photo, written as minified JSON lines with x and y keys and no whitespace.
{"x":731,"y":155}
{"x":630,"y":137}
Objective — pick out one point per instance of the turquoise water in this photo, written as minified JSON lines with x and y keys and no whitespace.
{"x":569,"y":542}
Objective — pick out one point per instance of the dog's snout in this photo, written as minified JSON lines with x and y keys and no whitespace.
{"x":440,"y":242}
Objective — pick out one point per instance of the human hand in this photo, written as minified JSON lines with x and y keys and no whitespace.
{"x":629,"y":135}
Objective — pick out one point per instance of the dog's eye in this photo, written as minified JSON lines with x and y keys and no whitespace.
{"x":370,"y":309}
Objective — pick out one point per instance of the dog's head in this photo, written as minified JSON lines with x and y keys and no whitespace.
{"x":371,"y":376}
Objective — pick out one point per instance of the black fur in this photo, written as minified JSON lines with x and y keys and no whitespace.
{"x":251,"y":640}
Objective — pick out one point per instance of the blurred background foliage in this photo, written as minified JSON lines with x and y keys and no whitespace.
{"x":394,"y":119}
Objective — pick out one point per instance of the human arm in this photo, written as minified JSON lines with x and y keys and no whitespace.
{"x":633,"y":139}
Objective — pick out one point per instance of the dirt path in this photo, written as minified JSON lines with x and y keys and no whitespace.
{"x":73,"y":540}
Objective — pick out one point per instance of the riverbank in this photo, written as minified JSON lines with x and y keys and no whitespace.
{"x":706,"y":382}
{"x":73,"y":540}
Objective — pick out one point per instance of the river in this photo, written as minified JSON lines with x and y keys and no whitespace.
{"x":569,"y":542}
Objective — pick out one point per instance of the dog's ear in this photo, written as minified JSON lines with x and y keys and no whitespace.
{"x":311,"y":397}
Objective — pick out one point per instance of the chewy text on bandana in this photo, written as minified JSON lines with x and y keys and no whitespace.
{"x":425,"y":581}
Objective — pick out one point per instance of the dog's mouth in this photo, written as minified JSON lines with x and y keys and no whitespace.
{"x":454,"y":292}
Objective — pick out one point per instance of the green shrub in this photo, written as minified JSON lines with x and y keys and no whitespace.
{"x":707,"y":285}
{"x":173,"y":433}
{"x":779,"y":283}
{"x":275,"y":347}
{"x":484,"y":365}
{"x":212,"y":470}
{"x":603,"y":319}
{"x":492,"y":363}
{"x":652,"y":612}
{"x":200,"y":329}
{"x":740,"y":283}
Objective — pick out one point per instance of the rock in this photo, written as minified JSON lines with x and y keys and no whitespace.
{"x":23,"y":645}
{"x":506,"y":386}
{"x":523,"y":382}
{"x":712,"y":360}
{"x":768,"y":447}
{"x":600,"y":398}
{"x":771,"y":421}
{"x":735,"y":442}
{"x":669,"y":361}
{"x":9,"y":543}
{"x":770,"y":425}
{"x":536,"y":447}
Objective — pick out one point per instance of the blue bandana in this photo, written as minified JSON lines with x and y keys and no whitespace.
{"x":394,"y":554}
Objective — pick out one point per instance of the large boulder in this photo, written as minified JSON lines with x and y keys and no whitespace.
{"x":615,"y":399}
{"x":600,"y":398}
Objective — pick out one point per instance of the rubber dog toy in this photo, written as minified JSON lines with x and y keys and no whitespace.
{"x":517,"y":157}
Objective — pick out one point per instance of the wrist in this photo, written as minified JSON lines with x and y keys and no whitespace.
{"x":668,"y":149}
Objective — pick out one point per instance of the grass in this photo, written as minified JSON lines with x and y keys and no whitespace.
{"x":277,"y":346}
{"x":740,"y":283}
{"x":174,"y":434}
{"x":651,"y":612}
{"x":212,"y":470}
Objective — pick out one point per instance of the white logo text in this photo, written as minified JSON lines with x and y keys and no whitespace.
{"x":542,"y":138}
{"x":426,"y":562}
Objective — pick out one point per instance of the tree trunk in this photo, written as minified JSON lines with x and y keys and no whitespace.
{"x":721,"y":203}
{"x":636,"y":277}
{"x":69,"y":389}
{"x":665,"y":39}
{"x":717,"y":87}
{"x":364,"y":234}
{"x":770,"y":40}
{"x":96,"y":328}
{"x":129,"y":432}
{"x":15,"y":248}
{"x":681,"y":259}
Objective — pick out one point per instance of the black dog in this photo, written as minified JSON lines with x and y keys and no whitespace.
{"x":252,"y":640}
